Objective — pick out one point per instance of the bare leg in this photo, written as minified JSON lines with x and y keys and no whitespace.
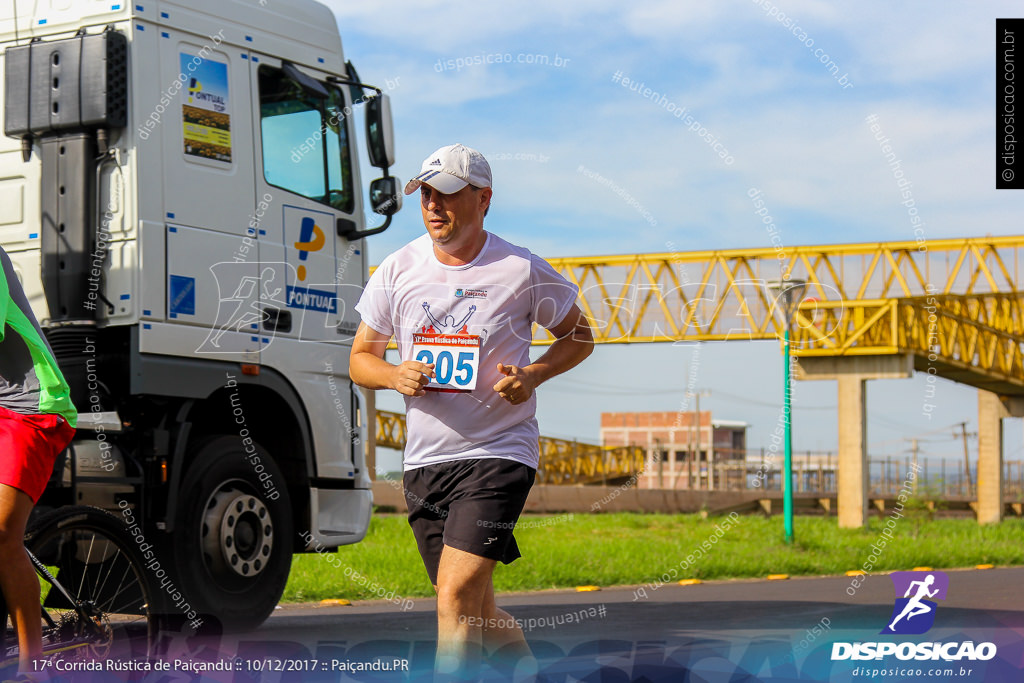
{"x":504,"y":641}
{"x":462,"y":583}
{"x":18,"y":579}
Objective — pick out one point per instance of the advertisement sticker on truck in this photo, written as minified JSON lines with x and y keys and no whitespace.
{"x":205,"y":117}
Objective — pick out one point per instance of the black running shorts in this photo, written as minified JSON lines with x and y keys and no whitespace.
{"x":470,"y":505}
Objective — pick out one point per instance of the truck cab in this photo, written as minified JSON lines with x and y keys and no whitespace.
{"x":180,"y":194}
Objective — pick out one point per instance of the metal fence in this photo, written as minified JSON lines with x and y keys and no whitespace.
{"x":817,"y":473}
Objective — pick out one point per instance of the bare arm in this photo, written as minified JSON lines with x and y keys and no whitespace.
{"x":574,"y":341}
{"x":368,"y":368}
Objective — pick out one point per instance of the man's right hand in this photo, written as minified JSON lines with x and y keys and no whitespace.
{"x":367,"y":366}
{"x":411,"y":376}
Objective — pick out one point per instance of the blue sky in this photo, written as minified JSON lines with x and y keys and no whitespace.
{"x":927,"y":71}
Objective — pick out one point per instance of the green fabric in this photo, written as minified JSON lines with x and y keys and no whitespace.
{"x":54,"y":393}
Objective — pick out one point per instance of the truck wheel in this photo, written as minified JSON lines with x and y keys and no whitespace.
{"x":233,"y":533}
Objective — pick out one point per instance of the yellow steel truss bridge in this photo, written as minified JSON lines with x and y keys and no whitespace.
{"x":860,"y":299}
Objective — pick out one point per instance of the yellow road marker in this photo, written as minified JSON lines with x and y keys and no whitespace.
{"x":984,"y":566}
{"x":778,"y":577}
{"x":587,"y":589}
{"x":690,"y":582}
{"x":334,"y":602}
{"x":856,"y":572}
{"x":922,"y":569}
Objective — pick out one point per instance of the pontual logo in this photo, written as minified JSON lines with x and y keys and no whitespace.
{"x":311,"y":238}
{"x":312,"y":299}
{"x":195,"y":91}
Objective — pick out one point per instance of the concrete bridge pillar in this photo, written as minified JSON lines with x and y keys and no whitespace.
{"x":852,"y":496}
{"x":992,"y":408}
{"x":851,"y":374}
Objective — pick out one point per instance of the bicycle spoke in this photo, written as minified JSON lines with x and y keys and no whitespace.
{"x":121,"y":588}
{"x":113,"y":562}
{"x":88,"y":556}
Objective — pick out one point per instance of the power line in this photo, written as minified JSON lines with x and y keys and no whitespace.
{"x":744,"y":399}
{"x":612,"y":391}
{"x":951,"y":437}
{"x":620,"y":391}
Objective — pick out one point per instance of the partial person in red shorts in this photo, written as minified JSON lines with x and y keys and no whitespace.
{"x":37,"y":421}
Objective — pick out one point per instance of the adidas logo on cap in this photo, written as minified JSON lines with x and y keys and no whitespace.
{"x":451,"y":168}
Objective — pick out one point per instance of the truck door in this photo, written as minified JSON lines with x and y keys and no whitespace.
{"x":305,"y":183}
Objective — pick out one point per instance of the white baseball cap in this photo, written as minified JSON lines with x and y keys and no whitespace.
{"x":451,"y":168}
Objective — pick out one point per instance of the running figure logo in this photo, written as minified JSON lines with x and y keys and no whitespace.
{"x":913,"y":613}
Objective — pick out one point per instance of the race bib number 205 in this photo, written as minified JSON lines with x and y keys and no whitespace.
{"x":456,"y":359}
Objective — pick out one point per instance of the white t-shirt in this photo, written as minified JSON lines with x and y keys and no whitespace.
{"x":498,"y":296}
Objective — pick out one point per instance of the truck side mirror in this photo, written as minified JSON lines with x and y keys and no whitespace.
{"x":385,"y":199}
{"x":380,"y":132}
{"x":385,"y":196}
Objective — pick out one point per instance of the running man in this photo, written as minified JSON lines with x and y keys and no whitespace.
{"x":37,"y":421}
{"x":914,"y":606}
{"x":461,"y":302}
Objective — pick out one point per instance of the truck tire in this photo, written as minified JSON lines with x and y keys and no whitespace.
{"x":232,"y":538}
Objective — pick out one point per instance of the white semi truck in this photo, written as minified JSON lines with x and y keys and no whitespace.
{"x":180,"y":195}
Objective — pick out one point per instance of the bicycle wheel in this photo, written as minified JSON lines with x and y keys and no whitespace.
{"x":91,"y":554}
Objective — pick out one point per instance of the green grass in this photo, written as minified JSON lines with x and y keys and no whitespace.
{"x":628,"y":548}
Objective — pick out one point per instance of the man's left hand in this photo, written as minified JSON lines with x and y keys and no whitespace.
{"x":516,"y":386}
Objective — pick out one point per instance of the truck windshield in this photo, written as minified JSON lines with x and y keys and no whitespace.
{"x":305,"y":140}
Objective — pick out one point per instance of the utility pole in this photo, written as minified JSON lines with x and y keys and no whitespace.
{"x":661,"y":463}
{"x":792,"y":293}
{"x":914,"y":449}
{"x":696,"y":425}
{"x":967,"y":455}
{"x":690,"y":457}
{"x":697,"y":406}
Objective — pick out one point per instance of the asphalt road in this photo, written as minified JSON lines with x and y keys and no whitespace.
{"x":747,"y":630}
